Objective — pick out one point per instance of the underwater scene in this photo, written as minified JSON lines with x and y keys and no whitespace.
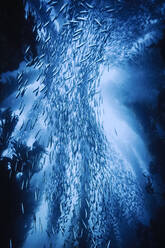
{"x":82,"y":124}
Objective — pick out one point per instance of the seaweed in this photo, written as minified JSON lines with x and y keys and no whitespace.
{"x":15,"y":190}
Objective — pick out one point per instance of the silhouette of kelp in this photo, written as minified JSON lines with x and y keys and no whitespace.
{"x":7,"y":125}
{"x":17,"y":198}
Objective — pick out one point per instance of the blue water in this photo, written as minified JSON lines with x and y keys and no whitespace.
{"x":76,"y":106}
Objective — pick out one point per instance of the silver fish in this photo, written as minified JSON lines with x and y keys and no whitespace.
{"x":42,"y":56}
{"x":40,"y":224}
{"x":27,"y":49}
{"x":22,"y":208}
{"x":46,"y":24}
{"x":37,"y":133}
{"x":116,"y":132}
{"x":48,"y":9}
{"x":22,"y":186}
{"x":48,"y":39}
{"x":81,"y":234}
{"x":67,"y":78}
{"x":73,"y":21}
{"x":110,"y":10}
{"x":80,"y":45}
{"x":36,"y":89}
{"x":84,"y":11}
{"x":109,"y":242}
{"x":53,"y":231}
{"x":84,"y":224}
{"x":92,"y":45}
{"x":98,"y":22}
{"x":86,"y":214}
{"x":66,"y":24}
{"x":81,"y":18}
{"x":89,"y":6}
{"x":81,"y":4}
{"x":11,"y":243}
{"x":76,"y":39}
{"x":63,"y":7}
{"x":18,"y":94}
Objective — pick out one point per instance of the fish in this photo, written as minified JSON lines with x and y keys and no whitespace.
{"x":27,"y":183}
{"x":53,"y":231}
{"x":94,"y":242}
{"x":66,"y":24}
{"x":22,"y":208}
{"x":89,"y":5}
{"x":75,"y":39}
{"x":87,"y":202}
{"x":92,"y":45}
{"x":81,"y":18}
{"x":22,"y":186}
{"x":47,"y":66}
{"x":54,"y":3}
{"x":36,"y":93}
{"x":36,"y":89}
{"x":84,"y":224}
{"x":33,"y":28}
{"x":80,"y":45}
{"x":61,"y":230}
{"x":67,"y":78}
{"x":11,"y":243}
{"x":79,"y":82}
{"x":109,"y":242}
{"x":22,"y":110}
{"x":48,"y":233}
{"x":91,"y":78}
{"x":99,"y":60}
{"x":16,"y":166}
{"x":61,"y":208}
{"x":79,"y":30}
{"x":63,"y":7}
{"x":37,"y":133}
{"x":74,"y":234}
{"x":81,"y":4}
{"x":26,"y":82}
{"x":46,"y":24}
{"x":51,"y":2}
{"x":81,"y":234}
{"x":104,"y":31}
{"x":86,"y":214}
{"x":20,"y":79}
{"x":39,"y":26}
{"x":83,"y":60}
{"x":38,"y":78}
{"x":84,"y":11}
{"x":93,"y":92}
{"x":116,"y":132}
{"x":110,"y":10}
{"x":27,"y":49}
{"x":18,"y":94}
{"x":44,"y":88}
{"x":40,"y":224}
{"x":48,"y":9}
{"x":48,"y":39}
{"x":98,"y":22}
{"x":10,"y":174}
{"x":40,"y":65}
{"x":73,"y":21}
{"x":35,"y":195}
{"x":42,"y":56}
{"x":76,"y":34}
